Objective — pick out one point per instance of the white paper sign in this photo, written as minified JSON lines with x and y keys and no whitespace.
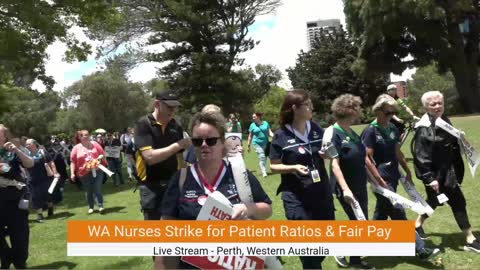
{"x":216,"y":207}
{"x":415,"y":195}
{"x":357,"y":210}
{"x":471,"y":154}
{"x":112,"y":151}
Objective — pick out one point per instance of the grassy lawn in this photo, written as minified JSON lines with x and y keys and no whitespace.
{"x":48,"y":240}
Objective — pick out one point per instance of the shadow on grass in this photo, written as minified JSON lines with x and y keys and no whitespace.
{"x":74,"y":197}
{"x":391,"y":262}
{"x":116,"y":209}
{"x":455,"y":241}
{"x":61,"y":215}
{"x":55,"y":265}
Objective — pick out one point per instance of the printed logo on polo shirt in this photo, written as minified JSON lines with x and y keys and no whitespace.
{"x":291,"y":141}
{"x":191,"y":194}
{"x":392,"y":135}
{"x":301,"y":150}
{"x":379,"y":138}
{"x":315,"y":135}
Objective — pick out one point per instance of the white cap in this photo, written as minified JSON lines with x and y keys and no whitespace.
{"x":391,"y":87}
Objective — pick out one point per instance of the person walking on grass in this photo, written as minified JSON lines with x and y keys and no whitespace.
{"x":13,"y":209}
{"x":382,"y":141}
{"x":259,"y":132}
{"x":41,"y":177}
{"x":84,"y":161}
{"x":439,"y":164}
{"x":306,"y":192}
{"x":159,"y":142}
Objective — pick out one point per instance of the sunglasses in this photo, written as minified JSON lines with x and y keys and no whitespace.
{"x":197,"y":142}
{"x":388,"y":113}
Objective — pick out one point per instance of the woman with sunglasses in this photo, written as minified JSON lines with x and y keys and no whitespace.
{"x":210,"y":173}
{"x":382,"y":141}
{"x":306,"y":192}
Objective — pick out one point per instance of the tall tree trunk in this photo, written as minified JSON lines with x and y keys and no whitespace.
{"x":464,"y":63}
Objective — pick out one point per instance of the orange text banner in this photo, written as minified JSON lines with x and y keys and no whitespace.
{"x":248,"y":231}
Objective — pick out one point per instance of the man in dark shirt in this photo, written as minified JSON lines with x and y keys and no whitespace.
{"x":159,"y":141}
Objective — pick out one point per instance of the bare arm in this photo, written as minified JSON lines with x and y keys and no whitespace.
{"x":372,"y":169}
{"x":154,"y":156}
{"x":257,"y":211}
{"x":403,"y":163}
{"x":396,"y":118}
{"x":249,"y":143}
{"x":72,"y":170}
{"x":277,"y":166}
{"x":27,"y":162}
{"x":339,"y":175}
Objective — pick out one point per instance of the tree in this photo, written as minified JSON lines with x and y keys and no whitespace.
{"x":101,"y":99}
{"x":325,"y":72}
{"x":428,"y":79}
{"x":27,"y":27}
{"x":270,"y":105}
{"x":30,"y":112}
{"x":402,"y":34}
{"x":204,"y":40}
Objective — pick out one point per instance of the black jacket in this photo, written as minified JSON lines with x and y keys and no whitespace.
{"x":437,"y":154}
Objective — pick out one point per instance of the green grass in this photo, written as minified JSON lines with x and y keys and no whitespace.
{"x":48,"y":240}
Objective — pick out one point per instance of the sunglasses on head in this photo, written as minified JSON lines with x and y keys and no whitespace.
{"x":197,"y":142}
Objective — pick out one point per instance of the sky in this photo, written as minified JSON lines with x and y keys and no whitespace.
{"x":282,"y":35}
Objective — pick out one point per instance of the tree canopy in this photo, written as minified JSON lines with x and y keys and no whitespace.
{"x":396,"y":34}
{"x":201,"y":40}
{"x":325,"y":72}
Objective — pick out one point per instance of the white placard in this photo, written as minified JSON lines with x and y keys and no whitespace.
{"x":471,"y":154}
{"x":112,"y":151}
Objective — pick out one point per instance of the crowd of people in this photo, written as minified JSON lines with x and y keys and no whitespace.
{"x":158,"y":147}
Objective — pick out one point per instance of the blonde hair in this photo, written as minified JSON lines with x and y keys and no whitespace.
{"x":211,"y":108}
{"x":427,"y":96}
{"x":382,"y":100}
{"x":345,"y":106}
{"x":6,"y":132}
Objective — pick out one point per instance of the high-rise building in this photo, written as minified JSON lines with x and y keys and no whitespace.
{"x":314,"y":28}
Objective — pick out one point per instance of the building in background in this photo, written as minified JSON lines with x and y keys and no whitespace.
{"x":314,"y":28}
{"x":402,"y":91}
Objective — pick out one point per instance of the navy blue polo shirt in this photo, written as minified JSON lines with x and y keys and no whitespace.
{"x":293,"y":148}
{"x":186,"y":204}
{"x":351,"y":156}
{"x":38,"y":173}
{"x":383,"y":141}
{"x":14,"y":173}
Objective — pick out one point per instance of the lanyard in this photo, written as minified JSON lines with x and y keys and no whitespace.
{"x":350,"y":135}
{"x":209,"y":188}
{"x":384,"y":131}
{"x":309,"y":150}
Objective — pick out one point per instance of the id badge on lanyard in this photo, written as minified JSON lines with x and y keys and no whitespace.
{"x":314,"y":174}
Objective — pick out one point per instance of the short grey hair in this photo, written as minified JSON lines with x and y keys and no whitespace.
{"x":382,"y":100}
{"x":427,"y":96}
